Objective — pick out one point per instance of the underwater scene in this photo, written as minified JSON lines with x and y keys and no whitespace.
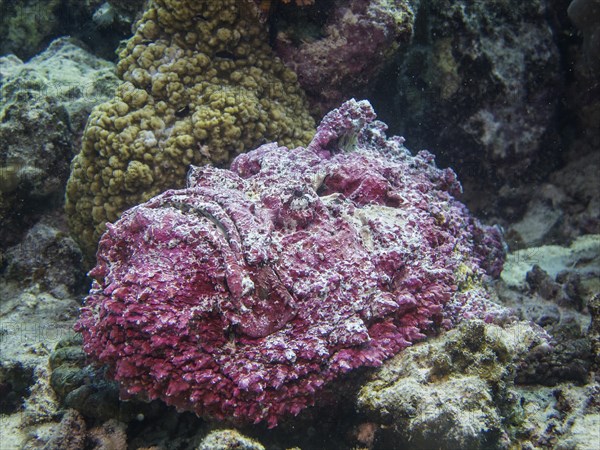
{"x":299,"y":224}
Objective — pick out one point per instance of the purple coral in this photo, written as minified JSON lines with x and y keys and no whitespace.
{"x":244,"y":294}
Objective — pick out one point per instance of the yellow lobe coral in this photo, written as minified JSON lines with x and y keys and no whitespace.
{"x":200,"y":85}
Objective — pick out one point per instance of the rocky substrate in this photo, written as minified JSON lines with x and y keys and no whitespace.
{"x":529,"y":381}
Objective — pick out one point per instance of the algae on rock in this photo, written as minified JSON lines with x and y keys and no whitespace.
{"x":44,"y":104}
{"x":200,"y":85}
{"x":454,"y":391}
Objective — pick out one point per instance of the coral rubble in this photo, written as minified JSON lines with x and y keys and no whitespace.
{"x":242,"y":296}
{"x":200,"y":85}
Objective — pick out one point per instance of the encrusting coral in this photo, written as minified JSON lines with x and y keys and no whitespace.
{"x":242,"y":296}
{"x":200,"y":85}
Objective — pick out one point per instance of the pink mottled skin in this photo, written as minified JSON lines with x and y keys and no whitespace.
{"x":243,"y":295}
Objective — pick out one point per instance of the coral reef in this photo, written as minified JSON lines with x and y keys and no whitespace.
{"x":27,"y":27}
{"x":582,"y":256}
{"x":47,"y":257}
{"x":111,"y":434}
{"x":85,"y":388}
{"x":566,"y":204}
{"x":266,"y":7}
{"x":31,"y":323}
{"x":261,"y":284}
{"x":44,"y":104}
{"x":563,"y":207}
{"x":41,"y":404}
{"x":69,"y":434}
{"x":129,"y":7}
{"x":594,"y":332}
{"x":347,"y":51}
{"x":72,"y":433}
{"x":579,"y":195}
{"x":478,"y":87}
{"x":15,"y":380}
{"x":556,"y":305}
{"x":552,"y":287}
{"x":460,"y":391}
{"x":228,"y":439}
{"x":571,"y":195}
{"x":472,"y":83}
{"x":453,"y":391}
{"x":300,"y":2}
{"x":562,"y":417}
{"x":39,"y":278}
{"x":200,"y":85}
{"x":585,"y":14}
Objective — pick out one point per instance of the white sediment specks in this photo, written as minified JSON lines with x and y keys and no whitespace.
{"x":355,"y":325}
{"x":299,"y":204}
{"x":290,"y":355}
{"x":247,"y":285}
